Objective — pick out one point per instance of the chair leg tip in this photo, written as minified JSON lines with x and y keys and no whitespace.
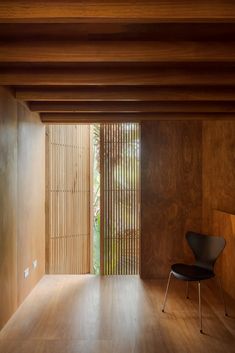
{"x":226,"y":314}
{"x":163,"y":310}
{"x":187,"y":297}
{"x":201,"y":331}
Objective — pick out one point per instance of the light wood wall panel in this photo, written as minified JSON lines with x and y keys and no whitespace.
{"x":68,"y":199}
{"x":22,"y":190}
{"x":120,"y":198}
{"x":31,"y":200}
{"x":171,"y":193}
{"x":8,"y":205}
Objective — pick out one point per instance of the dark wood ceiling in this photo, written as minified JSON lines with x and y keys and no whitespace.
{"x":113,"y":60}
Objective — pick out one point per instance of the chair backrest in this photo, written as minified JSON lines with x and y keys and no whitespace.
{"x":206,"y":248}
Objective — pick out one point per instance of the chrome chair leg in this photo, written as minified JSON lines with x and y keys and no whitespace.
{"x":167,"y":287}
{"x":200,"y":306}
{"x":218,"y":282}
{"x":187,"y":290}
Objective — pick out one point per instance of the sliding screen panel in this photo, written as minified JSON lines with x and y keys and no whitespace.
{"x":68,"y":192}
{"x":120,"y":198}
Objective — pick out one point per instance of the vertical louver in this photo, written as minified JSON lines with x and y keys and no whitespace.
{"x":68,"y":199}
{"x":120,"y":198}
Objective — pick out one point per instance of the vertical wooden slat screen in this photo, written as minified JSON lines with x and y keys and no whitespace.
{"x":120,"y":198}
{"x":68,"y":199}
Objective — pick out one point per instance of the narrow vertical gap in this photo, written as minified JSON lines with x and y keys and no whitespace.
{"x":98,"y":200}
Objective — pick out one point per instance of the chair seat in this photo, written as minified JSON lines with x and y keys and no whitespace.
{"x":191,"y":272}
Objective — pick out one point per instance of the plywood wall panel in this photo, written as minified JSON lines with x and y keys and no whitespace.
{"x":21,"y":200}
{"x":218,"y":170}
{"x":171,"y":192}
{"x":219,"y":192}
{"x":224,"y":225}
{"x":31,"y":199}
{"x":8,"y":205}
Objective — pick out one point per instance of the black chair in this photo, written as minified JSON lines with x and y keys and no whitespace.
{"x":206,"y":250}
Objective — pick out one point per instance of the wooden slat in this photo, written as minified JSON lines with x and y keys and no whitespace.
{"x":103,"y":202}
{"x":163,"y":76}
{"x":134,"y":107}
{"x":126,"y":93}
{"x":70,"y":118}
{"x":116,"y":11}
{"x":68,"y":196}
{"x":120,"y":182}
{"x":116,"y":51}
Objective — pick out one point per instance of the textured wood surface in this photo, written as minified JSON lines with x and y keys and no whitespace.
{"x":31,"y":200}
{"x":117,"y":314}
{"x":218,"y":170}
{"x":8,"y":205}
{"x":117,"y":43}
{"x":129,"y":93}
{"x":138,"y":107}
{"x":68,"y":199}
{"x":120,"y":198}
{"x":22,"y":192}
{"x":160,"y":75}
{"x":224,"y":225}
{"x":171,"y":31}
{"x":117,"y":11}
{"x":219,"y":191}
{"x":116,"y":51}
{"x":73,"y":118}
{"x":171,"y":193}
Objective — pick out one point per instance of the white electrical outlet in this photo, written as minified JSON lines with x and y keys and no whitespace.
{"x":26,"y":272}
{"x":35,"y":263}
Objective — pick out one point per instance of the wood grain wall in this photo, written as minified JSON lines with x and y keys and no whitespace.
{"x":224,"y":224}
{"x":187,"y":172}
{"x":171,"y":192}
{"x":8,"y":205}
{"x":219,"y":192}
{"x":31,"y":200}
{"x":218,"y":170}
{"x":21,"y":200}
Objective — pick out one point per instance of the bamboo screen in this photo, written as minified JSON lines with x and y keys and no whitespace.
{"x":120,"y":198}
{"x":68,"y":199}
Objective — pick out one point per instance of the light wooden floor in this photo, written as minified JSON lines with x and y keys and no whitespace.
{"x":71,"y":314}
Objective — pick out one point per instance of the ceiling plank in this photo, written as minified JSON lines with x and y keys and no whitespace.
{"x":58,"y":118}
{"x":118,"y":51}
{"x":111,"y":76}
{"x":96,"y":107}
{"x":87,"y":11}
{"x":125,"y":93}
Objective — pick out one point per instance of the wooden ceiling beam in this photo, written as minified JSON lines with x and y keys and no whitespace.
{"x":204,"y":32}
{"x":116,"y":52}
{"x":125,"y":93}
{"x":134,"y":107}
{"x":73,"y":118}
{"x":90,"y":10}
{"x":111,"y":76}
